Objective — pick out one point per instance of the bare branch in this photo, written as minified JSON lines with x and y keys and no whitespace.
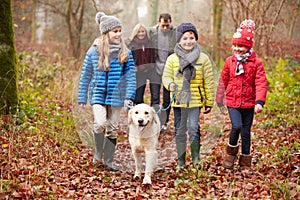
{"x":52,"y":8}
{"x":95,"y":5}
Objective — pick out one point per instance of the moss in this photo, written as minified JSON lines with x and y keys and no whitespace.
{"x":8,"y":61}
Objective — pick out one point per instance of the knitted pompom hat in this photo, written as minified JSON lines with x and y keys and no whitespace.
{"x":107,"y":23}
{"x":244,"y":35}
{"x":185,"y":27}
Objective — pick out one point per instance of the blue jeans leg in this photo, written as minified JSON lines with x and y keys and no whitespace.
{"x":186,"y":119}
{"x":241,"y":121}
{"x":180,"y":123}
{"x":193,"y":124}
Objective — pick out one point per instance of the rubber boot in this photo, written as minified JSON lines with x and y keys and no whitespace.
{"x":109,"y":152}
{"x":245,"y":164}
{"x":181,"y":153}
{"x":195,"y":151}
{"x":99,"y":140}
{"x":231,"y":156}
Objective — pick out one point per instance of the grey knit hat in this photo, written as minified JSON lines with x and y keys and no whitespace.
{"x":106,"y":22}
{"x":185,"y":27}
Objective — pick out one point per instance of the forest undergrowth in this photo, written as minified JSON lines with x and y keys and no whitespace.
{"x":44,"y":155}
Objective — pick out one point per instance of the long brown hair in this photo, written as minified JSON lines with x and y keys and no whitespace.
{"x":103,"y":50}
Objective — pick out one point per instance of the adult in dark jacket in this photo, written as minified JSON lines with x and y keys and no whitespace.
{"x":163,"y":37}
{"x":108,"y":76}
{"x":143,"y":55}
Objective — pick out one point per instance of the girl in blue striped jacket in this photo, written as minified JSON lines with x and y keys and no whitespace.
{"x":108,"y":78}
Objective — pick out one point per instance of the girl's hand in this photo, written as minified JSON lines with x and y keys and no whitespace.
{"x":82,"y":105}
{"x":223,"y":110}
{"x":258,"y":108}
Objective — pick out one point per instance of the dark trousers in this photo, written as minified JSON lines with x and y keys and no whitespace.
{"x":155,"y":87}
{"x":241,"y":121}
{"x":141,"y":82}
{"x":166,"y":103}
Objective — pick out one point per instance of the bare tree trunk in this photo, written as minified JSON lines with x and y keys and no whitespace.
{"x":74,"y":19}
{"x":292,"y":17}
{"x":33,"y":22}
{"x":8,"y":60}
{"x":272,"y":26}
{"x":217,"y":25}
{"x":154,"y":13}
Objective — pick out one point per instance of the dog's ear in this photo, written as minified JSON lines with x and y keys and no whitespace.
{"x":129,"y":116}
{"x":153,"y":114}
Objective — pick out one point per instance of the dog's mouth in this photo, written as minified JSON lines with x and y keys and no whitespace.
{"x":141,"y":127}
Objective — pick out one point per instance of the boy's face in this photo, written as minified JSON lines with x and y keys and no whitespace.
{"x":164,"y":24}
{"x":187,"y":41}
{"x":115,"y":36}
{"x":240,"y":50}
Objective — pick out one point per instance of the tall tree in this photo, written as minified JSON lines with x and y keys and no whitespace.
{"x":217,"y":25}
{"x":154,"y":11}
{"x":265,"y":15}
{"x":73,"y":15}
{"x":8,"y":72}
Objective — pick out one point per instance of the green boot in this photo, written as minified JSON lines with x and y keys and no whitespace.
{"x":109,"y":152}
{"x":99,"y":140}
{"x":181,"y":152}
{"x":195,"y":151}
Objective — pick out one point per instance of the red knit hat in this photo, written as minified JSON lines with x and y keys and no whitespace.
{"x":244,"y":36}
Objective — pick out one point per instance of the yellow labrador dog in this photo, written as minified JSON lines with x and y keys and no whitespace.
{"x":144,"y":129}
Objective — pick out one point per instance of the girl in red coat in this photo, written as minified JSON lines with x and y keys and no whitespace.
{"x":242,"y":88}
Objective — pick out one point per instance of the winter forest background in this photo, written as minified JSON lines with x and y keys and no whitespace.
{"x":45,"y":139}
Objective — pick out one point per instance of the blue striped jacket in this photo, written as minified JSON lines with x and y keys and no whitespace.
{"x":106,"y":88}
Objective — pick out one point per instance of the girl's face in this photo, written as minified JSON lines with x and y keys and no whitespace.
{"x":141,"y":33}
{"x":240,"y":50}
{"x":115,"y":35}
{"x":188,"y":41}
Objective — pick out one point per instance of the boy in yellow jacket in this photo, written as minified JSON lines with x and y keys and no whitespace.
{"x":188,"y":74}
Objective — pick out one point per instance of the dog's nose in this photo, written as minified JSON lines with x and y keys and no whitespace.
{"x":140,"y":121}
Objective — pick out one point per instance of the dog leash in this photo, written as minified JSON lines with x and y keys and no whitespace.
{"x":161,"y":108}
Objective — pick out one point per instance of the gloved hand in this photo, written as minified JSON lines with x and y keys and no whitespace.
{"x":207,"y":109}
{"x":128,"y":104}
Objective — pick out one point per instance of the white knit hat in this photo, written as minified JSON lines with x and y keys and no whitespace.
{"x":106,"y":23}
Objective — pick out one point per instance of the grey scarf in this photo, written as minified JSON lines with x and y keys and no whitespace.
{"x":187,"y":70}
{"x":114,"y":50}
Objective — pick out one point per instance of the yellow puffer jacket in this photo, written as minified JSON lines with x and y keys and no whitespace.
{"x":202,"y":87}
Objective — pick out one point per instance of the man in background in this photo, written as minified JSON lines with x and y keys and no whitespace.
{"x":163,"y":37}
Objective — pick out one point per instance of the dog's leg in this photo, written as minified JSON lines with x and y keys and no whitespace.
{"x":138,"y":164}
{"x":151,"y":160}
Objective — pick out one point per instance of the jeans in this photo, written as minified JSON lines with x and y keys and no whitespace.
{"x":241,"y":121}
{"x":186,"y":119}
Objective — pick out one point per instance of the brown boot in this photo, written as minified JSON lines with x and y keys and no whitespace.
{"x":245,"y":165}
{"x":231,"y":156}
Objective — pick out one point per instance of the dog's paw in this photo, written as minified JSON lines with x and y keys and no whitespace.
{"x":137,"y":175}
{"x":147,"y":180}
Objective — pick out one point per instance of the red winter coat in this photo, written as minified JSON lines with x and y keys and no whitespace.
{"x":245,"y":90}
